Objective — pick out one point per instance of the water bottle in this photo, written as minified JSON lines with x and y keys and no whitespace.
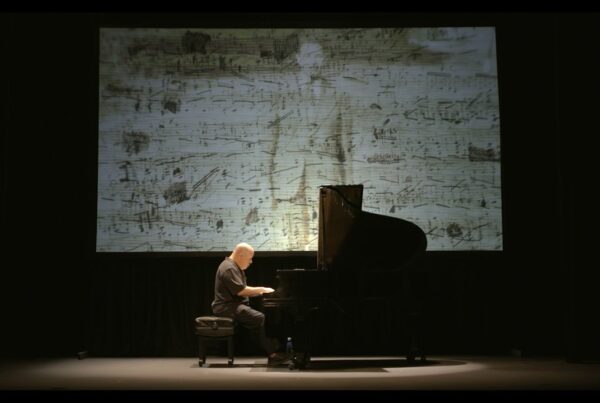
{"x":289,"y":347}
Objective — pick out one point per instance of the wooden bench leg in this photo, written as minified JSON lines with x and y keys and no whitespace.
{"x":201,"y":352}
{"x":230,"y":350}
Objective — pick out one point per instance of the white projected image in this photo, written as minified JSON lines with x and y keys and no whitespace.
{"x":210,"y":137}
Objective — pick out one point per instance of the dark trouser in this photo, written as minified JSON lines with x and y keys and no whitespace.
{"x":252,"y":320}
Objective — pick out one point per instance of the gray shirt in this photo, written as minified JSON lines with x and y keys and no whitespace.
{"x":229,"y":280}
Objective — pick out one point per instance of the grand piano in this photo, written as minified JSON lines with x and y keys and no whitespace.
{"x":360,"y":254}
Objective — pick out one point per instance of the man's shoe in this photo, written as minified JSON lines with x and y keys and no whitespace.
{"x":278,"y":359}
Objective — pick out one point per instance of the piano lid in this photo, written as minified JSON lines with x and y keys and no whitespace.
{"x":350,"y":238}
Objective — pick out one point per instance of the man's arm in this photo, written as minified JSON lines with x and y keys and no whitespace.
{"x":254,"y":291}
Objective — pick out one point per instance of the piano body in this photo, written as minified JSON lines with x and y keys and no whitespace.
{"x":359,"y":254}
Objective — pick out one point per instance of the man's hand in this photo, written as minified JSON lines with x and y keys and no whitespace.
{"x":255,"y":291}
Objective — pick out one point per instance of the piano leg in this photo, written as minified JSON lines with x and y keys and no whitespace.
{"x":414,"y":333}
{"x":304,"y":327}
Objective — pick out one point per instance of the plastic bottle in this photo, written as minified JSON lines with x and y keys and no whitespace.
{"x":289,"y":346}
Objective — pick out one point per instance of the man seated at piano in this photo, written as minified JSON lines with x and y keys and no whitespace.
{"x":232,"y":299}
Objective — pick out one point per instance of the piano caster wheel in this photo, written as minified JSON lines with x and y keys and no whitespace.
{"x":230,"y":363}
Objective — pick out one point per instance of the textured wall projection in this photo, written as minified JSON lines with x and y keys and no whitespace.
{"x":209,"y":137}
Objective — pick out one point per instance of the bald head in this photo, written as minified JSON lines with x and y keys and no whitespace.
{"x":242,"y":255}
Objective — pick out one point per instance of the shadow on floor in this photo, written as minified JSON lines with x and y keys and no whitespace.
{"x":342,"y":365}
{"x":372,"y":365}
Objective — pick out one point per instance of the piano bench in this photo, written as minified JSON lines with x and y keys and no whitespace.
{"x":210,"y":328}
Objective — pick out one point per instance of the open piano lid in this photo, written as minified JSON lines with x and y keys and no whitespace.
{"x":350,"y":238}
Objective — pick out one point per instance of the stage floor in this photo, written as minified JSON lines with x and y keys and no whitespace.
{"x":327,"y":373}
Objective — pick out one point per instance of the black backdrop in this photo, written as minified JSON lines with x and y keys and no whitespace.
{"x":58,"y":297}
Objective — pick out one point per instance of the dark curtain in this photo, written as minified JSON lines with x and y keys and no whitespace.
{"x":538,"y":295}
{"x":146,"y":306}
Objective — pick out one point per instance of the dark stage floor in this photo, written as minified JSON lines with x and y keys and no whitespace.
{"x":327,"y":373}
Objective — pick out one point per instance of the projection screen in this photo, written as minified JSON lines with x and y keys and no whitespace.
{"x":210,"y":137}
